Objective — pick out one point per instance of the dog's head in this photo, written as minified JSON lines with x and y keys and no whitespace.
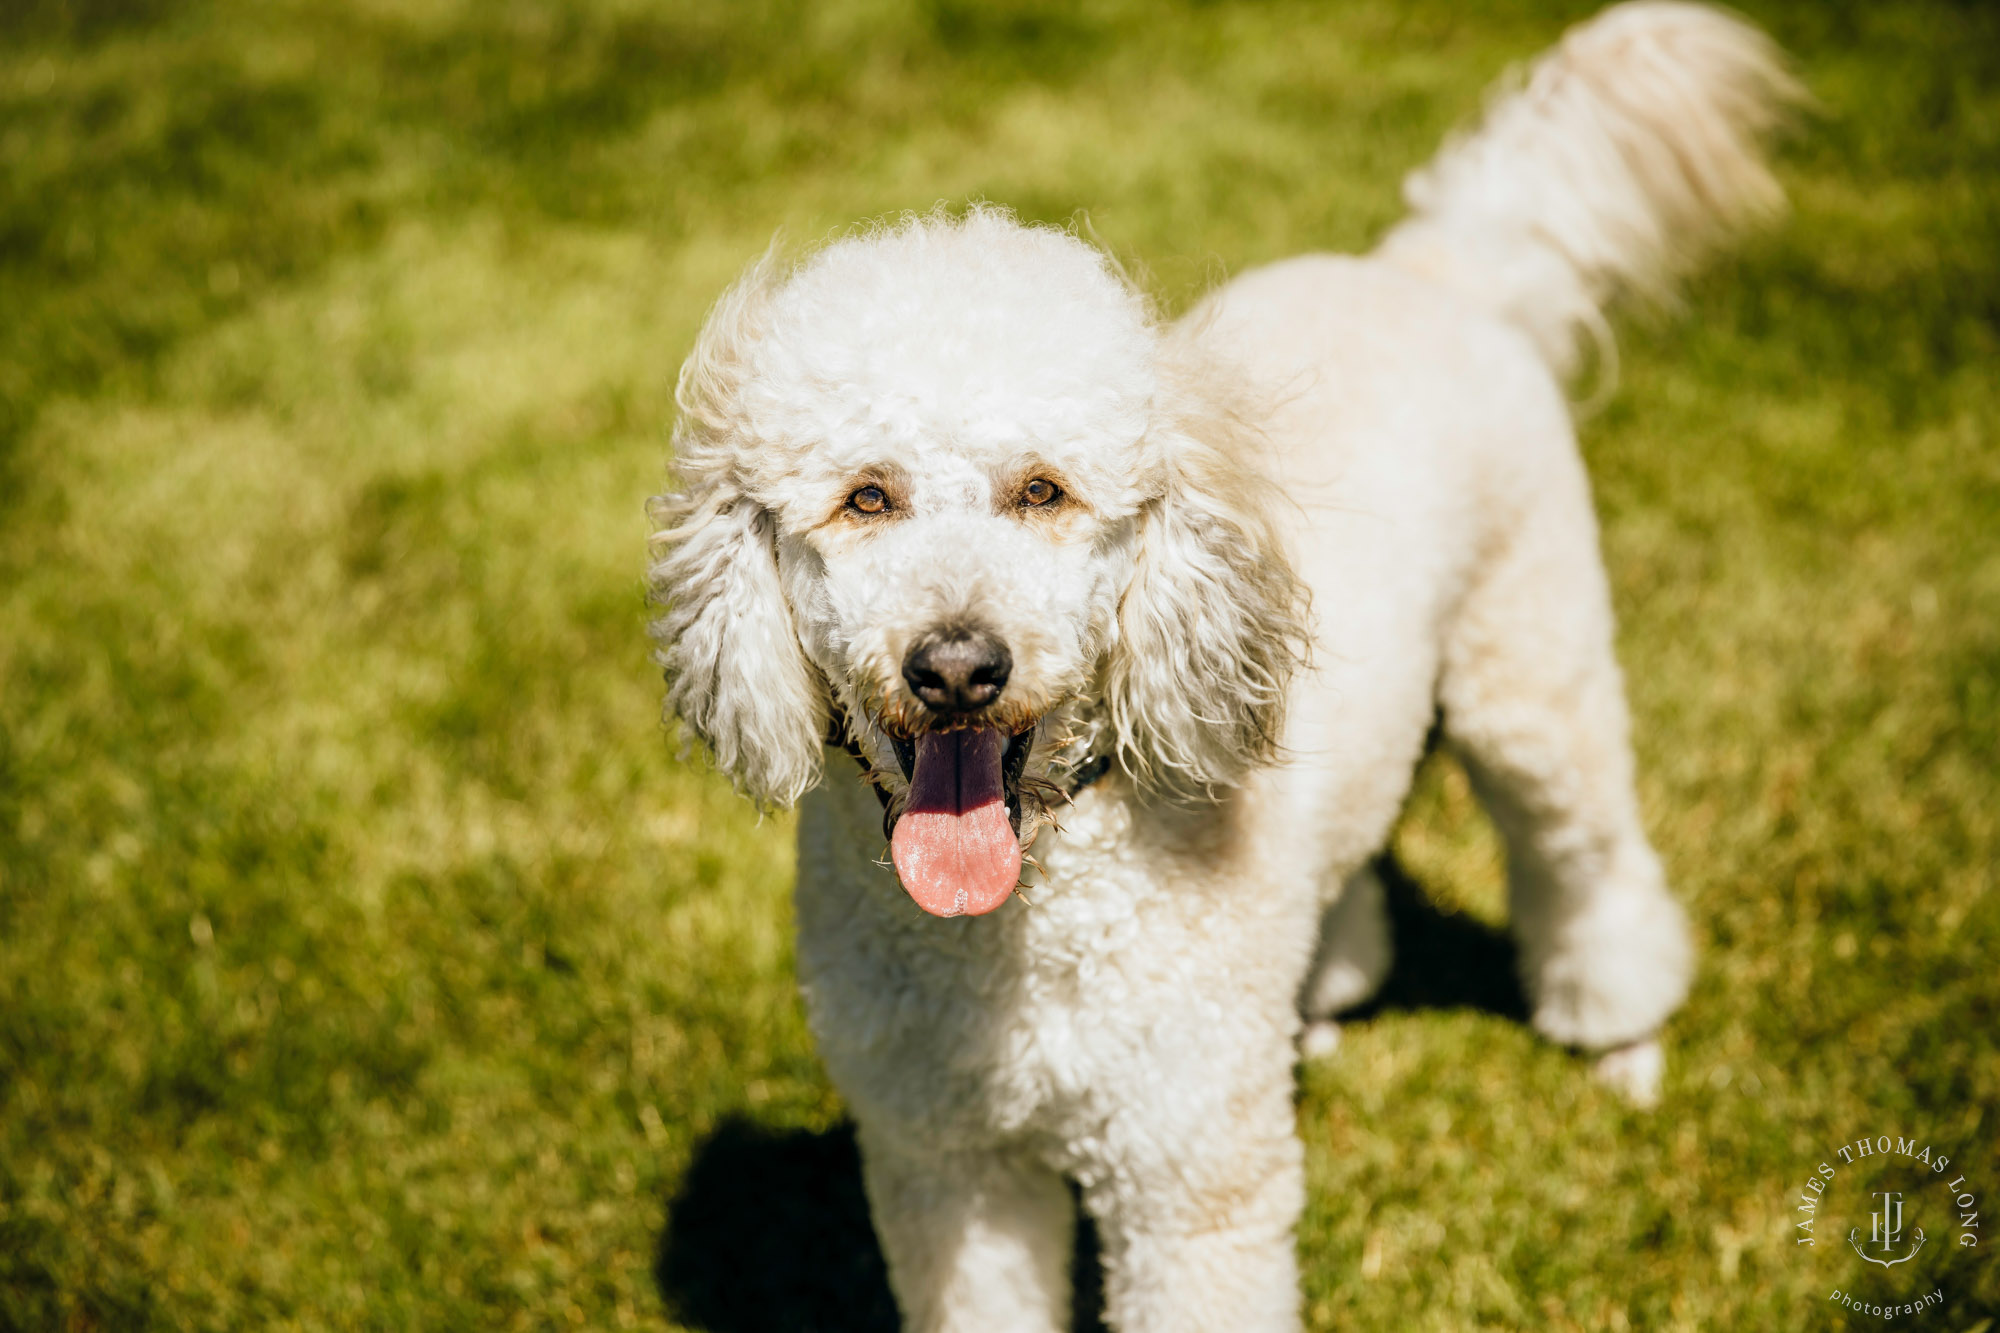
{"x":947,"y":493}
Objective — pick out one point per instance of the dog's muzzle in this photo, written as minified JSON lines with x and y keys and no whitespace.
{"x":956,"y":843}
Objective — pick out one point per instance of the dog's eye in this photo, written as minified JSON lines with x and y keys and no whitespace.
{"x":868,"y":500}
{"x":1039,"y":493}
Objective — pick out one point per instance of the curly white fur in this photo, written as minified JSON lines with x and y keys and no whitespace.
{"x":1213,"y":622}
{"x":1131,"y":1022}
{"x":735,"y":674}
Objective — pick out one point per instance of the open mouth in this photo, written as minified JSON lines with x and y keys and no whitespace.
{"x":1013,"y":761}
{"x":957,"y":845}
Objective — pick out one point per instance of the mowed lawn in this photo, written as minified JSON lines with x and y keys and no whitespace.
{"x":368,"y":958}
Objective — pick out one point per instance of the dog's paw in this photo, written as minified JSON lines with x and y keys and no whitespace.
{"x":1319,"y":1040}
{"x":1635,"y":1072}
{"x":1613,"y":972}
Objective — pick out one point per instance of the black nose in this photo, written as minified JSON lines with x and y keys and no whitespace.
{"x":959,"y":672}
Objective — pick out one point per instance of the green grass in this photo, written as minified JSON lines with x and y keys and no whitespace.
{"x":367,"y":959}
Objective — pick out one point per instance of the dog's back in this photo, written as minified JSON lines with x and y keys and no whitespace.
{"x":1440,"y":512}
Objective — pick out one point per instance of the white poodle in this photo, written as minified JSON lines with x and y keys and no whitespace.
{"x":979,"y":558}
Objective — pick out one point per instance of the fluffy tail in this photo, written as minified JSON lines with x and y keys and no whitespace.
{"x":1627,"y":154}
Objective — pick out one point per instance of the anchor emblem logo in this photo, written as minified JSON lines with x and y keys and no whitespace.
{"x":1886,"y":1230}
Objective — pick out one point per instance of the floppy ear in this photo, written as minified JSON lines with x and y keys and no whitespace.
{"x":1214,"y":622}
{"x":736,"y":674}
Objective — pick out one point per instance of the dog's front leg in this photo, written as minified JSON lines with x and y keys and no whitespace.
{"x":1199,"y":1238}
{"x":977,"y":1241}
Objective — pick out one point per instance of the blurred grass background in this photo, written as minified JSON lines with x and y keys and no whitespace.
{"x":368,"y":961}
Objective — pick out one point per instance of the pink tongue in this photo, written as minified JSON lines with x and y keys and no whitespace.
{"x":954,"y":849}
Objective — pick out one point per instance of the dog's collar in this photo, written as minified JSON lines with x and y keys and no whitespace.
{"x":1085,"y":773}
{"x":838,"y":733}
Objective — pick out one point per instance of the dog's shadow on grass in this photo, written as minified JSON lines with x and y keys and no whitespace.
{"x":1443,"y":959}
{"x":769,"y":1232}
